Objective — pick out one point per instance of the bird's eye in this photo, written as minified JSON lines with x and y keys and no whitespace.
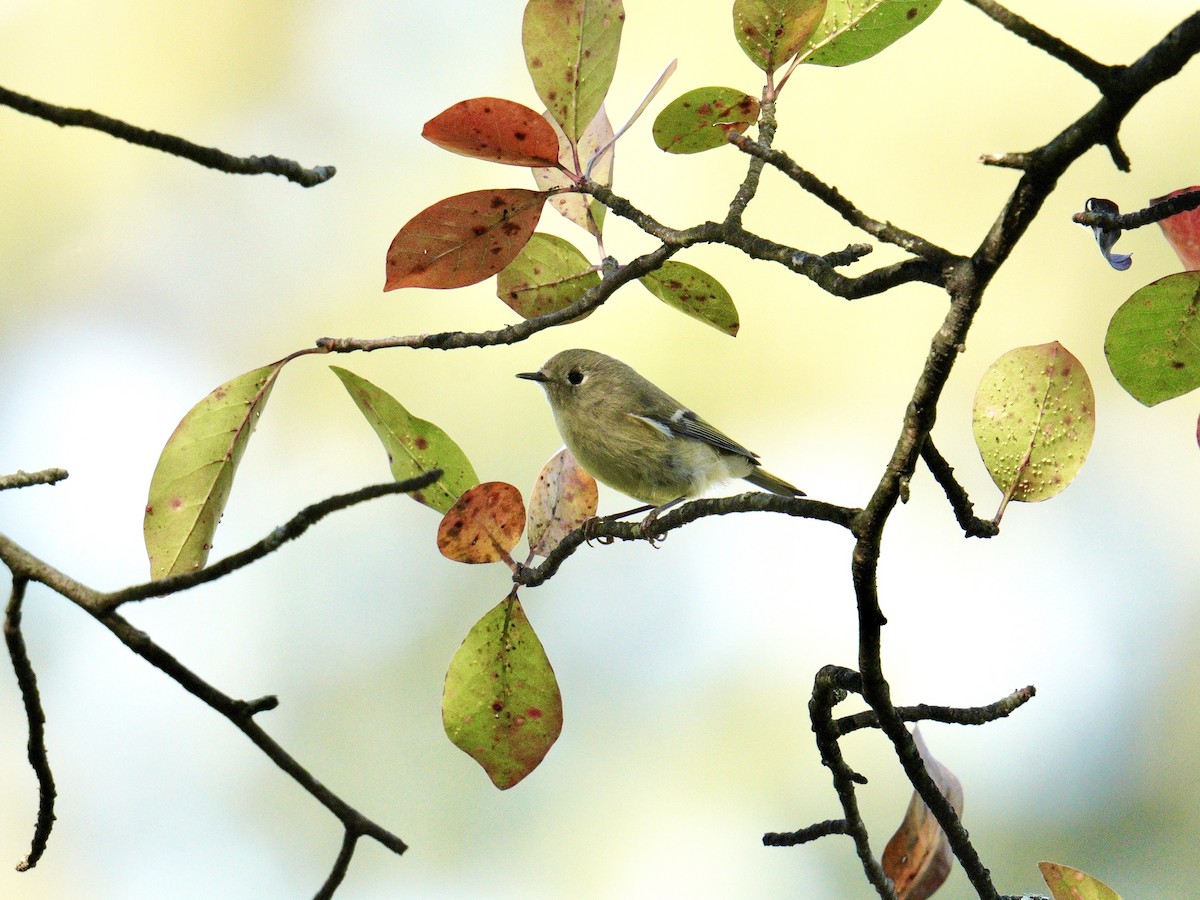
{"x":575,"y":376}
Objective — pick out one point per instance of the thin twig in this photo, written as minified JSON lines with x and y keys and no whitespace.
{"x":36,"y":718}
{"x":210,"y":157}
{"x":831,"y":197}
{"x":19,"y":479}
{"x":804,"y":835}
{"x":829,"y":689}
{"x":953,"y":715}
{"x":964,"y":511}
{"x":1099,"y":74}
{"x":340,"y":866}
{"x":289,"y":531}
{"x":607,"y":530}
{"x":1155,"y":212}
{"x":613,"y":277}
{"x":241,"y":714}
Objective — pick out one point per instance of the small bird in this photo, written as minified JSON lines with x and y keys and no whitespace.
{"x":637,"y":439}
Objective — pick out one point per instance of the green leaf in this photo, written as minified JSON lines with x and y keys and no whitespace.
{"x":194,"y":475}
{"x":413,"y":445}
{"x":549,"y":274}
{"x":854,"y":30}
{"x":463,"y":239}
{"x":483,"y":525}
{"x":695,"y":292}
{"x":501,"y":704}
{"x":571,"y":53}
{"x":564,"y":497}
{"x":700,"y":120}
{"x":1066,"y":883}
{"x":1153,"y":340}
{"x":573,"y":205}
{"x":771,"y":31}
{"x":1034,"y":419}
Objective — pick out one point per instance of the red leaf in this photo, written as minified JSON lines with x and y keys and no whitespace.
{"x":463,"y":239}
{"x":483,"y":524}
{"x":918,"y":857}
{"x":494,"y":129}
{"x":1182,"y":231}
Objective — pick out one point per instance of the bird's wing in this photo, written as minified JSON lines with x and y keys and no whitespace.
{"x":686,"y":424}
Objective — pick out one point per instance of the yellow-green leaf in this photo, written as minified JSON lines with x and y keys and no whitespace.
{"x":771,"y":31}
{"x":1153,"y":340}
{"x":695,"y":292}
{"x":501,"y":705}
{"x":702,"y":118}
{"x":1034,"y":419}
{"x":854,"y":30}
{"x":1066,"y":883}
{"x":549,"y":274}
{"x":571,"y":53}
{"x":413,"y":445}
{"x":194,"y":475}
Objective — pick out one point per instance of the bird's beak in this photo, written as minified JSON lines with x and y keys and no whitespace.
{"x":533,"y":376}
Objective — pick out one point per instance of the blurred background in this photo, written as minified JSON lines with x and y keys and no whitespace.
{"x":132,"y":283}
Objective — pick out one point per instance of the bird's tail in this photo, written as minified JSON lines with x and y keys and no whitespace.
{"x":773,"y":483}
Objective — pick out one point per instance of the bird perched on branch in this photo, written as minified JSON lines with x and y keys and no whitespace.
{"x":637,"y":439}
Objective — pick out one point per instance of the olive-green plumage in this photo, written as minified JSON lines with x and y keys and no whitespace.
{"x":637,"y":439}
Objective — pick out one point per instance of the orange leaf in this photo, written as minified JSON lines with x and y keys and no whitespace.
{"x":463,"y":239}
{"x":483,"y":524}
{"x":918,"y":857}
{"x":494,"y":129}
{"x":1182,"y":231}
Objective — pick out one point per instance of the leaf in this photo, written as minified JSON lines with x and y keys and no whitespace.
{"x":501,"y":705}
{"x":194,"y":475}
{"x":463,"y":239}
{"x":854,"y":30}
{"x":650,"y":95}
{"x":700,"y":120}
{"x":549,"y":274}
{"x":771,"y":31}
{"x":918,"y":857}
{"x":1182,"y":231}
{"x":494,"y":129}
{"x":1066,"y":883}
{"x":571,"y":53}
{"x":483,"y":525}
{"x":695,"y":292}
{"x":1152,"y":340}
{"x":1034,"y":419}
{"x":413,"y":445}
{"x":574,"y":206}
{"x":564,"y":497}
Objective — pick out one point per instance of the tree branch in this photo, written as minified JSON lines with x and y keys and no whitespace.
{"x":964,"y":511}
{"x":36,"y":718}
{"x":21,"y":479}
{"x":1099,"y":74}
{"x":241,"y":714}
{"x":1155,"y":212}
{"x":922,"y":712}
{"x":833,"y":198}
{"x":606,"y":530}
{"x":209,"y":157}
{"x":289,"y":531}
{"x":829,"y":689}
